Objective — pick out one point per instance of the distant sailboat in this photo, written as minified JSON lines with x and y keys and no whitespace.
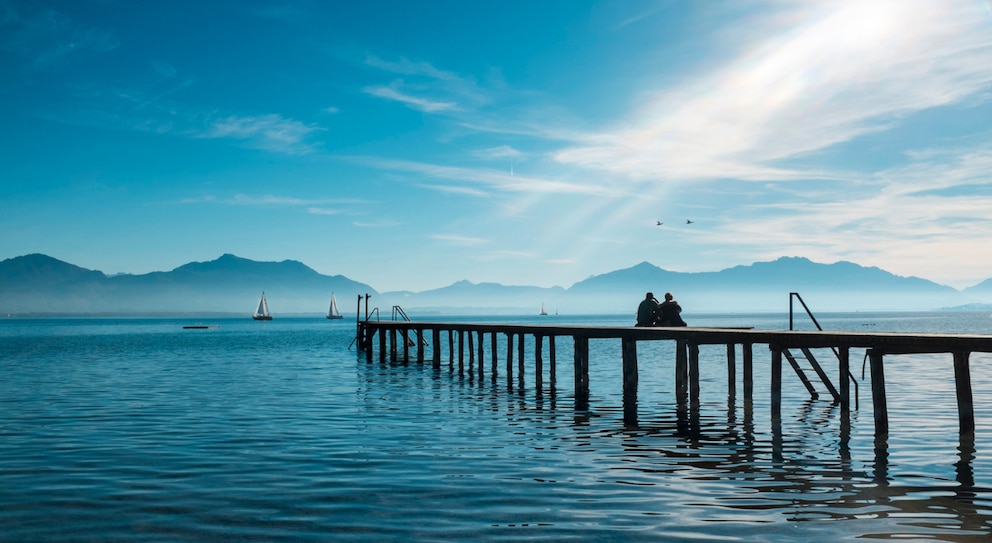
{"x":543,"y":312}
{"x":332,"y":312}
{"x":262,"y":311}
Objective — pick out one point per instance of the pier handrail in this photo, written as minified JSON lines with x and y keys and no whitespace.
{"x":816,"y":323}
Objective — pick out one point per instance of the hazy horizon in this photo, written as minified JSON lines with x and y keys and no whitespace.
{"x":514,"y":143}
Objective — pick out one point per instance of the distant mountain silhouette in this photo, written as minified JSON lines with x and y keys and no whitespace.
{"x":41,"y":284}
{"x":764,"y":286}
{"x":479,"y":297}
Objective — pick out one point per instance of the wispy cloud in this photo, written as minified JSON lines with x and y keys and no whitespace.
{"x":462,"y":241}
{"x":495,"y":180}
{"x":822,"y":73}
{"x":313,"y":205}
{"x":499,"y":152}
{"x":425,"y":87}
{"x":393,"y":92}
{"x":269,"y":132}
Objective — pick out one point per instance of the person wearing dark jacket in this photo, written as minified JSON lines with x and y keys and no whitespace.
{"x":646,"y":310}
{"x":669,"y":312}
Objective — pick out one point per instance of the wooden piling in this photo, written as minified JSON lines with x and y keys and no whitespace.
{"x":629,"y":350}
{"x":538,"y":362}
{"x":776,"y":383}
{"x":962,"y":386}
{"x":581,"y":372}
{"x":436,"y":342}
{"x":878,"y":393}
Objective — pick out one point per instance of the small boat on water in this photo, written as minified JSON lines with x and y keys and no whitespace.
{"x":543,"y":312}
{"x":262,"y":311}
{"x":332,"y":311}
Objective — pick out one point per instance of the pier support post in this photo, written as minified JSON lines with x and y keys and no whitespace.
{"x":420,"y":344}
{"x":509,"y":360}
{"x":382,"y":345}
{"x":520,"y":357}
{"x":581,"y":372}
{"x":471,"y":350}
{"x":844,"y":359}
{"x":878,"y":393}
{"x":451,"y":349}
{"x":681,"y":372}
{"x":538,"y":362}
{"x":492,"y":345}
{"x":482,"y":354}
{"x":731,"y":370}
{"x":552,"y":363}
{"x":629,"y":381}
{"x":747,"y":353}
{"x":694,"y":375}
{"x":436,"y":338}
{"x":461,"y":351}
{"x":962,"y":384}
{"x":776,"y":384}
{"x":392,"y":345}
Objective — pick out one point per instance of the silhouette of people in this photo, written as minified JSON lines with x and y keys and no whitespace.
{"x":647,"y":310}
{"x":669,"y":312}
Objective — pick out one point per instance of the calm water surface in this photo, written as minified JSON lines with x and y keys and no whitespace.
{"x":140,"y":430}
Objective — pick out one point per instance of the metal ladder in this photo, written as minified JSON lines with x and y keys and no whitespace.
{"x":807,"y":355}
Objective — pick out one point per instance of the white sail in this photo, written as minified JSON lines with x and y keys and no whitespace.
{"x":332,"y":311}
{"x":262,"y":311}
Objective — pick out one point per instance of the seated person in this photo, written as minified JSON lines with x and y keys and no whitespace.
{"x":647,"y":310}
{"x":669,"y":312}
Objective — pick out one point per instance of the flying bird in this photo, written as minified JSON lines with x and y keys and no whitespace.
{"x":659,"y":223}
{"x":687,"y":221}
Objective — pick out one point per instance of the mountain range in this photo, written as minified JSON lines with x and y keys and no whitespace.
{"x":40,"y":284}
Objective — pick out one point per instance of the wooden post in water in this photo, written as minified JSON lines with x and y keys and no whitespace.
{"x":436,"y":338}
{"x":538,"y":362}
{"x":392,"y":345}
{"x":451,"y":349}
{"x":731,"y":370}
{"x":482,"y":354}
{"x":747,"y":353}
{"x":492,"y":345}
{"x":629,"y":346}
{"x":878,"y":393}
{"x":420,"y":345}
{"x":681,"y":372}
{"x":776,"y":385}
{"x":694,"y":375}
{"x":382,"y":345}
{"x":551,"y":355}
{"x":962,"y":385}
{"x":581,"y":372}
{"x":461,"y":351}
{"x":520,"y":357}
{"x":471,"y":351}
{"x":509,"y":360}
{"x":844,"y":359}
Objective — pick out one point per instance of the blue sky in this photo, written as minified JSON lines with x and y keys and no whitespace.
{"x":410,"y":145}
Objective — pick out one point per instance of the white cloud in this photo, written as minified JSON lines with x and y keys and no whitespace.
{"x":392,"y":92}
{"x":269,"y":132}
{"x":838,"y":71}
{"x":462,"y":241}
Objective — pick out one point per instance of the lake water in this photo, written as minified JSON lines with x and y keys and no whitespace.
{"x":140,"y":430}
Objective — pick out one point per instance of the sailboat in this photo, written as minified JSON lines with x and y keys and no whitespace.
{"x":332,"y":312}
{"x":543,"y":312}
{"x":262,"y":311}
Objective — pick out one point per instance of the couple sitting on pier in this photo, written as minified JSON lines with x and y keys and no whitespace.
{"x":651,"y":312}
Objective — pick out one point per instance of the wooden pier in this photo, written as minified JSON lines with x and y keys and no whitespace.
{"x":413,"y":336}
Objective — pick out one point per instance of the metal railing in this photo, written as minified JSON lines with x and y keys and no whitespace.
{"x":809,"y":355}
